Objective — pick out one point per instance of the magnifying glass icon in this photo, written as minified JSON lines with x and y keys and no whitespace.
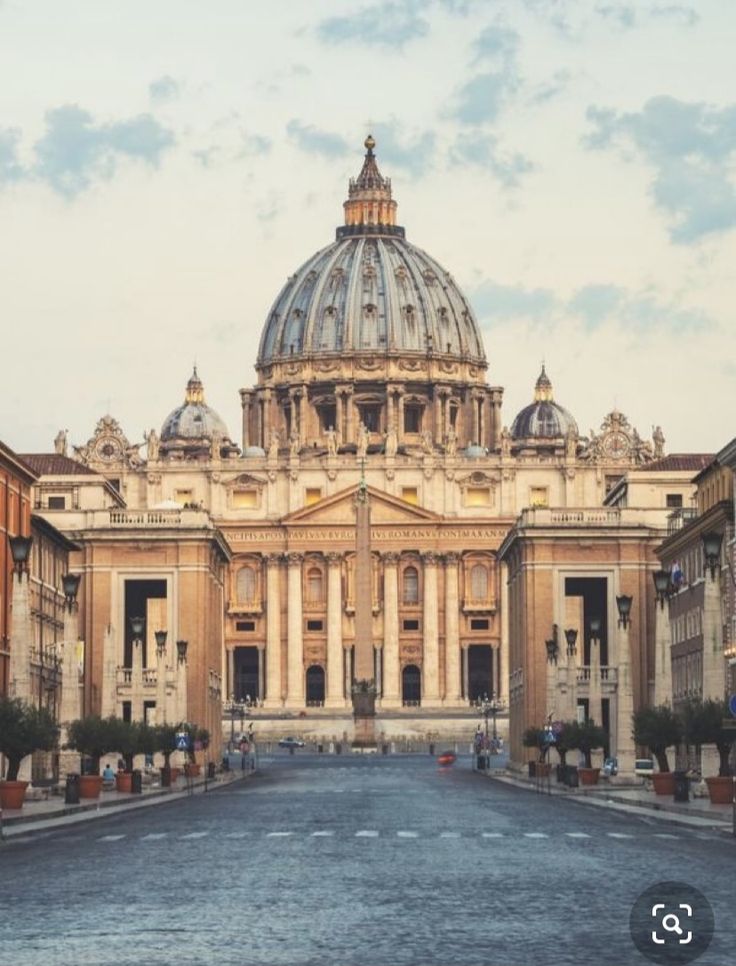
{"x":671,"y":923}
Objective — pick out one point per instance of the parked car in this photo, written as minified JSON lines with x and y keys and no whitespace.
{"x":644,"y":767}
{"x":610,"y":767}
{"x":291,"y":743}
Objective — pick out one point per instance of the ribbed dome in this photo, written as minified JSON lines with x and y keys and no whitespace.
{"x":194,"y":421}
{"x":370,"y":290}
{"x":544,"y":418}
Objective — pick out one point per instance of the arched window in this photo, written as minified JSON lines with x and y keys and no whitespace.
{"x":314,"y":585}
{"x":245,"y":587}
{"x":411,"y":585}
{"x":479,"y":582}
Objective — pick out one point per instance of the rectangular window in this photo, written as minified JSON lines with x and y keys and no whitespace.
{"x":412,"y":419}
{"x":57,"y":503}
{"x":674,"y":500}
{"x":478,"y":496}
{"x":184,"y":496}
{"x":370,"y":416}
{"x":245,"y":499}
{"x":538,"y":496}
{"x":411,"y":625}
{"x":313,"y":495}
{"x":314,"y":625}
{"x":478,"y":625}
{"x":410,"y":494}
{"x":245,"y":626}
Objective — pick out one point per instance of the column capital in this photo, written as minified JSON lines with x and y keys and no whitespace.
{"x":451,"y":558}
{"x":334,"y":558}
{"x":430,"y":558}
{"x":273,"y":559}
{"x":295,"y":558}
{"x":390,"y":558}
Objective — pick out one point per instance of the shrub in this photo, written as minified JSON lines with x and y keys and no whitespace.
{"x":24,"y":729}
{"x":657,"y":729}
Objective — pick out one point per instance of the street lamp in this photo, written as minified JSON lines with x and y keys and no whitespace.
{"x":595,"y":626}
{"x":552,"y":646}
{"x":712,"y":551}
{"x":160,"y":641}
{"x":181,"y":650}
{"x":136,"y":625}
{"x":20,"y":548}
{"x":489,"y":707}
{"x":70,"y":586}
{"x":235,"y":709}
{"x":624,"y":610}
{"x":571,"y":636}
{"x":661,"y":585}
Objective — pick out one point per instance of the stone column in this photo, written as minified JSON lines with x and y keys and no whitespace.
{"x":400,"y":422}
{"x":452,"y":630}
{"x":294,"y":630}
{"x":339,"y":416}
{"x":245,"y":401}
{"x":348,"y":667}
{"x":231,"y":672}
{"x":437,"y":434}
{"x":334,"y":697}
{"x":625,"y":750}
{"x":595,"y":707}
{"x":69,"y":704}
{"x":261,"y":679}
{"x":181,"y":689}
{"x":503,"y":682}
{"x":303,"y":427}
{"x":391,"y":671}
{"x":662,"y":656}
{"x":21,"y":638}
{"x":476,"y":419}
{"x":274,"y":695}
{"x":136,"y":681}
{"x":350,"y":415}
{"x":714,"y":669}
{"x":161,"y":686}
{"x":430,"y":663}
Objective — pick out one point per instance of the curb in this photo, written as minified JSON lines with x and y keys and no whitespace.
{"x":67,"y":815}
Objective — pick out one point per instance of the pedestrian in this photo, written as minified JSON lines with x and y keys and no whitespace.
{"x":108,"y":775}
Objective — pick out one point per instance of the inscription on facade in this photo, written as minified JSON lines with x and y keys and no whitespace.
{"x":378,"y":534}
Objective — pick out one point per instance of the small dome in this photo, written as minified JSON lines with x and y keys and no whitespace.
{"x":544,"y":418}
{"x":474,"y":452}
{"x":254,"y":451}
{"x":194,"y":425}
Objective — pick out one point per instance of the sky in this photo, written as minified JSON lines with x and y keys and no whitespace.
{"x":164,"y":167}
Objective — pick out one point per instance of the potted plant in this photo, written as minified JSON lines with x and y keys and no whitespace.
{"x":93,"y":737}
{"x":587,"y":737}
{"x":704,"y":726}
{"x":24,"y":729}
{"x":125,"y":740}
{"x":658,"y":729}
{"x":564,"y":734}
{"x":197,"y":736}
{"x":164,"y":737}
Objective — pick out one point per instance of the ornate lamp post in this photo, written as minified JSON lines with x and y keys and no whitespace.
{"x":571,"y":636}
{"x":489,"y":708}
{"x":625,"y":751}
{"x":69,"y":705}
{"x":20,"y":549}
{"x":181,"y":679}
{"x":595,"y":706}
{"x":21,"y":630}
{"x":661,"y":586}
{"x":712,"y":551}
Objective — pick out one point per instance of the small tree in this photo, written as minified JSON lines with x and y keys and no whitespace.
{"x":703,"y":722}
{"x":164,"y":737}
{"x":24,"y":729}
{"x":565,"y":734}
{"x":196,"y":734}
{"x":94,"y":737}
{"x":586,"y":737}
{"x":657,"y":729}
{"x":124,"y":740}
{"x":535,"y":738}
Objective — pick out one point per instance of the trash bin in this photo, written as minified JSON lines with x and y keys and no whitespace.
{"x":210,"y":769}
{"x":71,"y":792}
{"x":571,"y":779}
{"x":682,"y":787}
{"x":338,"y":748}
{"x":532,"y":769}
{"x":136,"y":782}
{"x":320,"y":749}
{"x":384,"y":748}
{"x":561,"y":773}
{"x":166,"y":777}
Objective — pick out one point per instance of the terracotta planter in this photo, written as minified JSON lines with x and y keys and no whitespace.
{"x":12,"y":794}
{"x":174,"y":774}
{"x":192,"y":769}
{"x":124,"y":781}
{"x":589,"y":776}
{"x":90,"y":786}
{"x":664,"y":782}
{"x":721,"y":790}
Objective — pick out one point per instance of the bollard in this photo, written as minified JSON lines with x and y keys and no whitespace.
{"x":136,"y":783}
{"x":71,"y":791}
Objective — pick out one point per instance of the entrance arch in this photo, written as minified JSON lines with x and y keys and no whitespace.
{"x":411,"y":685}
{"x":315,"y":685}
{"x":480,"y":671}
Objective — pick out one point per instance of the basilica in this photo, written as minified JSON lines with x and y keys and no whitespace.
{"x":490,"y":533}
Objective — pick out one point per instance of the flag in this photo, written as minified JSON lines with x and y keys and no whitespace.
{"x":677,"y":578}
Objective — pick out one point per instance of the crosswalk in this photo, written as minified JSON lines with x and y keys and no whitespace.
{"x":400,"y":834}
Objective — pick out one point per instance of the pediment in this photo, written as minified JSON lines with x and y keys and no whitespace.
{"x":340,"y":508}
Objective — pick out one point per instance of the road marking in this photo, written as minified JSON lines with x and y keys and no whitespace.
{"x":194,"y":835}
{"x":619,"y":835}
{"x":408,"y":835}
{"x":665,"y":835}
{"x":110,"y":838}
{"x":154,"y":835}
{"x":492,"y":835}
{"x":278,"y":835}
{"x":449,"y":835}
{"x":536,"y":835}
{"x":321,"y":834}
{"x":366,"y":834}
{"x":236,"y":835}
{"x":577,"y":835}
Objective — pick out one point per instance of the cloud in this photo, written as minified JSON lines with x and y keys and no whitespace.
{"x":391,"y":24}
{"x":687,"y":16}
{"x":10,"y":168}
{"x":623,"y":14}
{"x":504,"y":303}
{"x":691,"y":147}
{"x":164,"y":89}
{"x":477,"y":148}
{"x":496,"y":43}
{"x":480,"y":100}
{"x":317,"y":141}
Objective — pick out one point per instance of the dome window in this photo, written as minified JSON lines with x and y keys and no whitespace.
{"x":413,"y":418}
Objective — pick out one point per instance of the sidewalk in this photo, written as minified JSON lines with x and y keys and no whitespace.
{"x":52,"y":813}
{"x":699,"y":812}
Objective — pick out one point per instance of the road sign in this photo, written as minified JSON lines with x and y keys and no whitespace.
{"x":182,"y":741}
{"x":732,"y":705}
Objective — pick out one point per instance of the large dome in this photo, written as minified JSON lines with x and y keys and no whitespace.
{"x":370,"y":291}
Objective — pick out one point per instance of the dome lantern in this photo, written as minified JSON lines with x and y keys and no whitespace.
{"x":370,"y":209}
{"x":544,"y":420}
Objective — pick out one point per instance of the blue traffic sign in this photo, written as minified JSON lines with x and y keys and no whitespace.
{"x":182,"y":741}
{"x":732,"y":705}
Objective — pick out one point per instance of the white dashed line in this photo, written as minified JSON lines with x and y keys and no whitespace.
{"x":111,"y":838}
{"x":194,"y":835}
{"x":619,"y":835}
{"x":316,"y":835}
{"x":408,"y":835}
{"x":154,"y":835}
{"x":366,"y":833}
{"x":536,"y":835}
{"x":492,"y":835}
{"x":278,"y":835}
{"x":577,"y":835}
{"x":665,"y":835}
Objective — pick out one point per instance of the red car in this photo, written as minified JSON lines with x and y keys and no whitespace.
{"x":446,"y":758}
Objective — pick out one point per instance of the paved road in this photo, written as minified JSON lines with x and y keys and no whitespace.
{"x":352,"y":862}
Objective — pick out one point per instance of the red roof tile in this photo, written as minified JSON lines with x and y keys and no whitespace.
{"x":681,"y":461}
{"x":54,"y":464}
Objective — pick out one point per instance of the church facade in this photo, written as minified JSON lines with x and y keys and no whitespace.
{"x":371,"y":372}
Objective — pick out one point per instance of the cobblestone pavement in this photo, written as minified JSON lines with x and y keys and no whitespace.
{"x":353,"y":862}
